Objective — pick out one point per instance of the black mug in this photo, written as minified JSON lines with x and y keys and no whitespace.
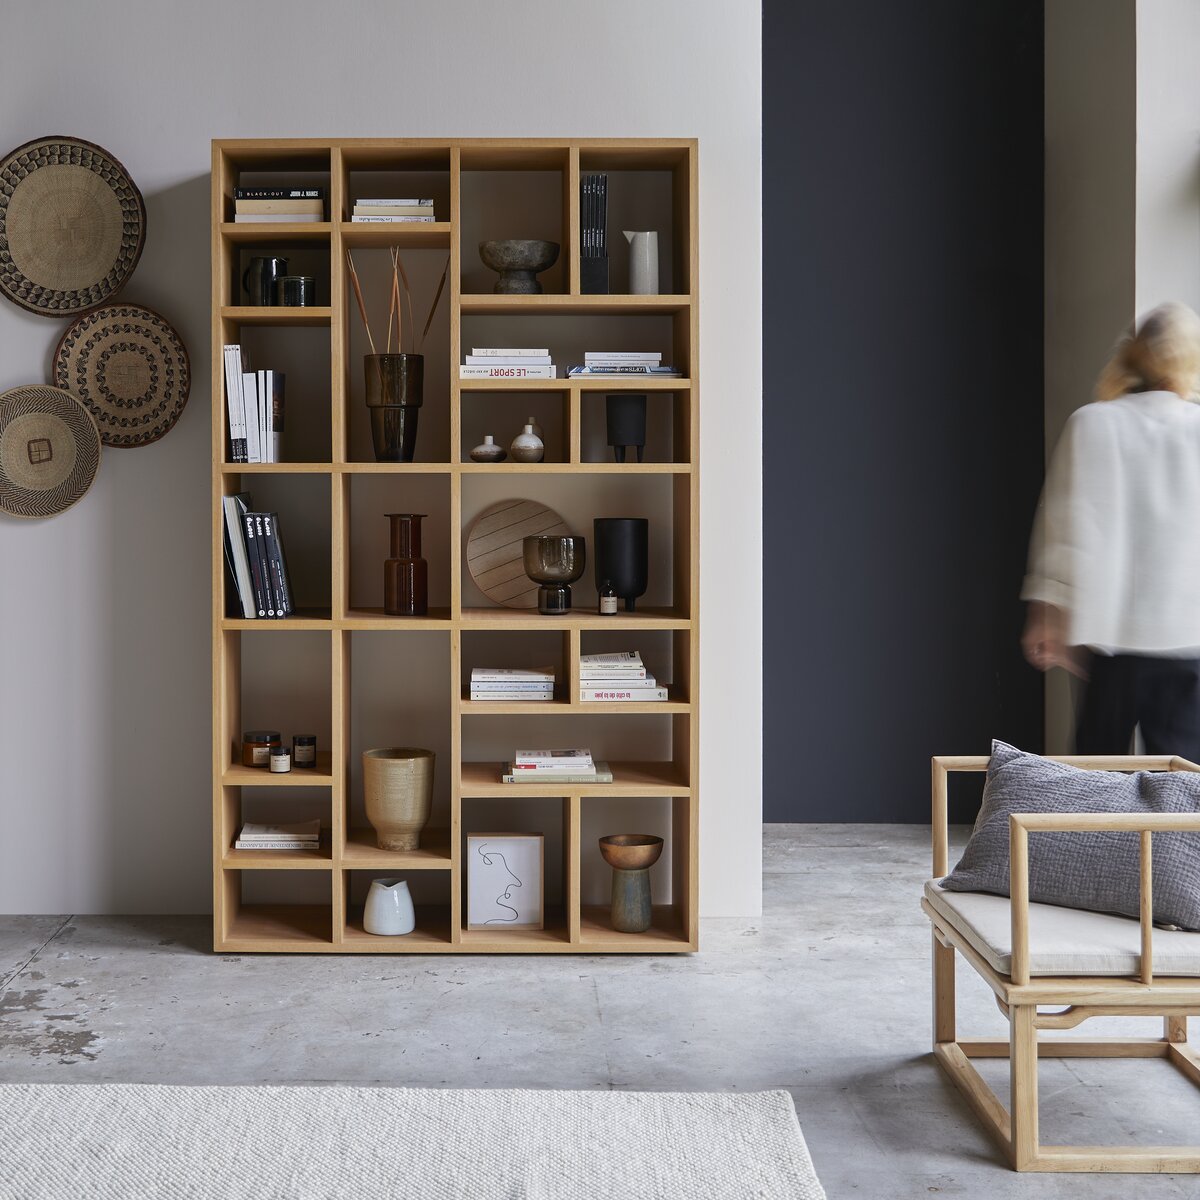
{"x":258,"y":279}
{"x":296,"y":291}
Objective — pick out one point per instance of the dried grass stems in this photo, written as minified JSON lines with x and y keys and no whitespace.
{"x":396,"y":305}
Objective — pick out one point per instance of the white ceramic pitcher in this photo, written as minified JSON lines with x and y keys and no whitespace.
{"x":389,"y":908}
{"x":643,"y":261}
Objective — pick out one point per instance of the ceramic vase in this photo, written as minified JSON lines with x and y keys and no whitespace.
{"x":389,"y":908}
{"x":626,"y":423}
{"x":488,"y":452}
{"x":395,"y":385}
{"x":621,"y":547}
{"x":643,"y":262}
{"x":631,"y":855}
{"x":406,"y":573}
{"x":527,"y":447}
{"x":398,"y":794}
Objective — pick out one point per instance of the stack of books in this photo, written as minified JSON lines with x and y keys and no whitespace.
{"x":393,"y":212}
{"x":490,"y":362}
{"x":593,"y":234}
{"x":302,"y":835}
{"x":267,"y":205}
{"x":620,"y":677}
{"x":622,"y":362}
{"x":555,"y":766}
{"x":255,"y":402}
{"x":254,"y":555}
{"x":511,"y":683}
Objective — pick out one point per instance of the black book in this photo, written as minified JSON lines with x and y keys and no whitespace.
{"x":268,"y":583}
{"x":269,"y":193}
{"x":585,"y":232}
{"x":277,"y":565}
{"x":258,"y":568}
{"x":602,"y":217}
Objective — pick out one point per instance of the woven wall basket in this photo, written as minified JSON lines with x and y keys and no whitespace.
{"x":495,"y":551}
{"x":131,"y":370}
{"x":72,"y":226}
{"x":49,"y":451}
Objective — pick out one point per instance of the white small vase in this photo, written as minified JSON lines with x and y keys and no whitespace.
{"x":389,"y":908}
{"x":527,"y":447}
{"x":488,"y":452}
{"x":538,"y":431}
{"x":643,"y":262}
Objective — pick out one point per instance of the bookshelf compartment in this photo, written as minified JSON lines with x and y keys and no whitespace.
{"x":389,"y":173}
{"x":374,"y":268}
{"x":399,"y":695}
{"x":369,"y":498}
{"x":285,"y":686}
{"x":279,"y":166}
{"x":532,"y":650}
{"x":578,"y":499}
{"x":665,"y":653}
{"x":519,"y":195}
{"x":550,"y":816}
{"x":302,"y":356}
{"x":261,"y":803}
{"x":430,"y":891}
{"x":307,"y":253}
{"x":277,"y":910}
{"x":668,"y":425}
{"x":504,"y":414}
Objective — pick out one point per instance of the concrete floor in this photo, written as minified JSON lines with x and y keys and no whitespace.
{"x":827,"y":996}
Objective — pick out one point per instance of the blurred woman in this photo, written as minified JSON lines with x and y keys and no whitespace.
{"x":1114,"y":563}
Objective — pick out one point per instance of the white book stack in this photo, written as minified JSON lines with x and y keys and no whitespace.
{"x":499,"y":362}
{"x":511,"y":683}
{"x":617,"y":678}
{"x":300,"y":835}
{"x":405,"y":211}
{"x":555,"y":766}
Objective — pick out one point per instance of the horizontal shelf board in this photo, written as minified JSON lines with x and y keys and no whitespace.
{"x":269,"y":314}
{"x":557,"y":468}
{"x":305,"y":619}
{"x":272,"y":233}
{"x":389,"y":468}
{"x":361,"y":852}
{"x":665,"y":932}
{"x":408,"y":235}
{"x":493,"y":304}
{"x":293,"y":468}
{"x":501,"y":937}
{"x":586,"y":383}
{"x":237,"y":775}
{"x":530,"y":618}
{"x":482,"y":780}
{"x":280,"y":927}
{"x":474,"y":708}
{"x":281,"y":860}
{"x":376,"y":618}
{"x":513,"y":385}
{"x":433,"y":929}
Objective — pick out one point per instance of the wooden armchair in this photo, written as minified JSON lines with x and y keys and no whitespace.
{"x":1082,"y":964}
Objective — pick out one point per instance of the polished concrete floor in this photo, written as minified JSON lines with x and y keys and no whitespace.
{"x":828,"y":996}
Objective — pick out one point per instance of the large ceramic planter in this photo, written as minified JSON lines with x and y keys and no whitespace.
{"x":398,"y":793}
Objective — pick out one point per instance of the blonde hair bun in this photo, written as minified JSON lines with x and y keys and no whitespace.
{"x":1160,"y":352}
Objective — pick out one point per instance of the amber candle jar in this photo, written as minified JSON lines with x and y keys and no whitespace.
{"x":256,"y":747}
{"x":406,"y":573}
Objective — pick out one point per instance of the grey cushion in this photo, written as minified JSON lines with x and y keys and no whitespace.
{"x":1096,"y":871}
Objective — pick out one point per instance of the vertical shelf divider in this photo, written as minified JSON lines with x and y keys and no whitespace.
{"x":572,"y":863}
{"x":340,"y":768}
{"x":574,"y":422}
{"x":571,"y":242}
{"x":454,"y":302}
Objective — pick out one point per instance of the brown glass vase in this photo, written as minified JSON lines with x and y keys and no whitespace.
{"x":406,"y":573}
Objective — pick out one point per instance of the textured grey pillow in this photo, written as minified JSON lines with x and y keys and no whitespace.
{"x":1096,"y":871}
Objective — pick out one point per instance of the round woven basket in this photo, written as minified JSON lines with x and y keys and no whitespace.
{"x":72,"y":226}
{"x":131,"y":370}
{"x":49,"y":451}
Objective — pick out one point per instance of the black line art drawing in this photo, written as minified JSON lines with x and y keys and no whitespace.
{"x":488,"y":856}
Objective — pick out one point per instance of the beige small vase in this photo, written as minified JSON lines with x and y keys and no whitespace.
{"x":398,"y":791}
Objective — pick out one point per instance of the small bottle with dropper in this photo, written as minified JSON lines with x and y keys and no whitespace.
{"x":608,"y":599}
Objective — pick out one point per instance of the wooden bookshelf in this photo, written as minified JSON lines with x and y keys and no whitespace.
{"x":326,"y":916}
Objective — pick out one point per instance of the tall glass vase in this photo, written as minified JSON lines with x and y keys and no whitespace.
{"x":406,"y":573}
{"x":395,"y":385}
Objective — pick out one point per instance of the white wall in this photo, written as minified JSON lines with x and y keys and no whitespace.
{"x":104,"y":611}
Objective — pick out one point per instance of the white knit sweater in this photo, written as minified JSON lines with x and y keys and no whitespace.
{"x":1116,"y":542}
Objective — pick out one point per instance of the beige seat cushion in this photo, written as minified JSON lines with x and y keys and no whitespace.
{"x":1062,"y":941}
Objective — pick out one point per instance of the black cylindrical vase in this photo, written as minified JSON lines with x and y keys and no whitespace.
{"x":626,"y":421}
{"x":622,"y":555}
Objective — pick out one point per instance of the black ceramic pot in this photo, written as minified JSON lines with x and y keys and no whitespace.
{"x":621,"y":547}
{"x":626,"y":412}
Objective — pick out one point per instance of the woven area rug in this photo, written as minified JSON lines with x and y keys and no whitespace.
{"x":227,"y":1143}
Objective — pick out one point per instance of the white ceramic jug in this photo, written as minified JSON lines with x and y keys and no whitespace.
{"x":389,"y":908}
{"x":643,"y":262}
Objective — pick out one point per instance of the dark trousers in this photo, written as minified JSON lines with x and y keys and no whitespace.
{"x":1162,"y":695}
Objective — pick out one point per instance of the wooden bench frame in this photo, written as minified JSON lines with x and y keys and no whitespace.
{"x":1078,"y":998}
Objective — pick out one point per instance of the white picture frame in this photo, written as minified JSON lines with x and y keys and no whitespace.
{"x":505,"y":880}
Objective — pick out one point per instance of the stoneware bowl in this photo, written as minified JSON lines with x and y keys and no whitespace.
{"x":518,"y":260}
{"x":631,"y":851}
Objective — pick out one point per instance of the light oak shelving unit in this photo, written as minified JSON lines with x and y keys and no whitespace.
{"x":335,"y":924}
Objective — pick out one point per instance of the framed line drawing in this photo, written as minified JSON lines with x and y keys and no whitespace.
{"x":505,"y":880}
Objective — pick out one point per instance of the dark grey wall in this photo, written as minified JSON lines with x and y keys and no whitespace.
{"x":902,"y":148}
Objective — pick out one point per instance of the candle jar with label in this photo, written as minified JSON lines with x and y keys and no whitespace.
{"x":256,"y":746}
{"x":281,"y":760}
{"x":304,"y":751}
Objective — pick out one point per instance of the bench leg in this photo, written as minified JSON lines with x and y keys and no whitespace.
{"x":944,"y":1027}
{"x":1023,"y":1063}
{"x":1175,"y":1029}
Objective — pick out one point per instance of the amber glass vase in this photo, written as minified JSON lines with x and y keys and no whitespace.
{"x":406,"y":573}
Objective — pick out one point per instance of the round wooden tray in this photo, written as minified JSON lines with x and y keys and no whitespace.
{"x":72,"y":226}
{"x":131,"y":370}
{"x":49,"y":451}
{"x":494,"y":549}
